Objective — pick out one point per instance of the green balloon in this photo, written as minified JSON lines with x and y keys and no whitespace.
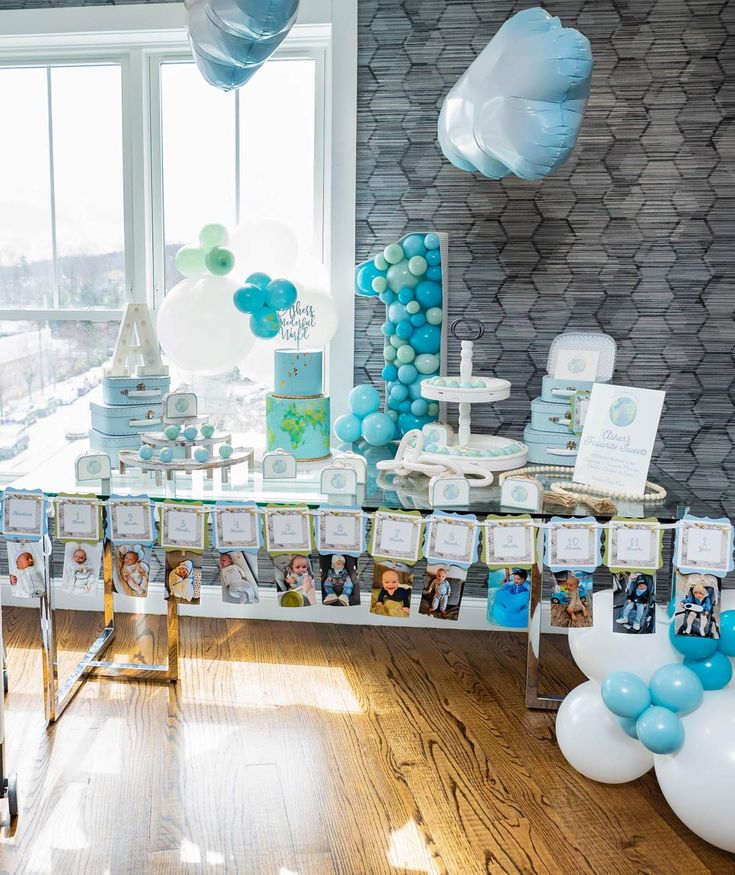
{"x":399,"y":277}
{"x":426,"y":363}
{"x":396,"y":341}
{"x":379,"y":284}
{"x":433,"y":409}
{"x":190,"y":261}
{"x":393,"y":253}
{"x":213,"y":235}
{"x":393,"y":415}
{"x":389,"y":353}
{"x":434,"y":315}
{"x":413,"y":307}
{"x":406,"y":354}
{"x":418,"y":265}
{"x":219,"y":261}
{"x":380,"y":262}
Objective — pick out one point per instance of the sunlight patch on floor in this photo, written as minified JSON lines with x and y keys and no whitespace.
{"x":408,"y":850}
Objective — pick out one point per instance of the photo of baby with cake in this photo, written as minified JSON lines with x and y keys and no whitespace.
{"x":131,"y":568}
{"x":25,"y":563}
{"x":339,"y":580}
{"x":184,"y":576}
{"x":238,"y":571}
{"x":294,"y":579}
{"x":392,"y":587}
{"x":82,"y":564}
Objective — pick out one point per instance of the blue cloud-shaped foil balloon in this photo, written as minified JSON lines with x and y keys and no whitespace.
{"x":519,"y":106}
{"x":232,"y":39}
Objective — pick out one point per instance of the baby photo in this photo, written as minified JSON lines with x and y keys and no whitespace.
{"x":184,"y":576}
{"x":25,"y":568}
{"x":82,"y":563}
{"x":442,"y":592}
{"x":697,"y":605}
{"x":508,"y":596}
{"x":634,"y":603}
{"x":392,"y":586}
{"x":571,"y":599}
{"x":131,"y":569}
{"x":294,"y":578}
{"x":339,"y":575}
{"x":238,"y":572}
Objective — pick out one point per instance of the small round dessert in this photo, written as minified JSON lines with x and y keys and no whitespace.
{"x":146,"y":453}
{"x":201,"y":454}
{"x":172,"y":432}
{"x":207,"y":430}
{"x":225,"y":451}
{"x":190,"y":433}
{"x":477,"y":390}
{"x":166,"y":454}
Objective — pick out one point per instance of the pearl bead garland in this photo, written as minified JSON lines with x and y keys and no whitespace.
{"x":583,"y":491}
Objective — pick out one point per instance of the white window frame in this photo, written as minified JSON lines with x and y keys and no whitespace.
{"x":139,"y":38}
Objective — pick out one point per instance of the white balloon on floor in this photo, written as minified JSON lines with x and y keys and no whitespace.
{"x":699,"y":780}
{"x":599,"y":651}
{"x":199,"y":328}
{"x":591,"y":739}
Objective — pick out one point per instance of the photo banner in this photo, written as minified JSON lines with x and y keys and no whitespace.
{"x":287,"y":529}
{"x":704,"y":546}
{"x":183,"y":526}
{"x":573,"y":543}
{"x":395,"y":536}
{"x":236,"y":526}
{"x":452,"y":538}
{"x":509,"y":542}
{"x":340,"y":530}
{"x":78,"y":519}
{"x":634,"y":545}
{"x":24,"y":515}
{"x":131,"y":519}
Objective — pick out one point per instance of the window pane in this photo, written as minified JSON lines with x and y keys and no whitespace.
{"x":49,"y":372}
{"x":277,"y":145}
{"x":26,"y":266}
{"x":198,"y":123}
{"x":87,"y":130}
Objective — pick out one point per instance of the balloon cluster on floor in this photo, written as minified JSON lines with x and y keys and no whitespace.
{"x":642,"y":707}
{"x":407,"y":277}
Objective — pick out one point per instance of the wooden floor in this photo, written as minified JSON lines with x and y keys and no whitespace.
{"x":316,"y":749}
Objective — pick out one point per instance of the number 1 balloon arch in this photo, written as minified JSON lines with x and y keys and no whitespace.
{"x":226,"y":277}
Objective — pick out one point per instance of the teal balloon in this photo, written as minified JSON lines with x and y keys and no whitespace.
{"x":426,"y":339}
{"x":201,"y":454}
{"x":660,"y":730}
{"x":146,"y":453}
{"x":414,"y":245}
{"x":249,"y":298}
{"x":364,"y":279}
{"x":219,"y":261}
{"x":625,"y":694}
{"x":364,"y":400}
{"x":677,"y":688}
{"x":715,"y":672}
{"x":627,"y":724}
{"x":692,"y":646}
{"x":727,"y":633}
{"x":400,"y":277}
{"x":378,"y":429}
{"x":281,"y":294}
{"x":407,"y":374}
{"x":429,"y":294}
{"x":213,"y":235}
{"x":419,"y":407}
{"x":427,"y":364}
{"x":432,"y":241}
{"x":190,"y":261}
{"x":166,"y":454}
{"x":348,"y":428}
{"x":265,"y":323}
{"x":259,"y":279}
{"x":397,"y":312}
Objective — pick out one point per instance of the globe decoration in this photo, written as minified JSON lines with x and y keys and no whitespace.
{"x":408,"y":279}
{"x":623,"y":411}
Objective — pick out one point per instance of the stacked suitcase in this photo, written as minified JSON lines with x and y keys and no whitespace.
{"x":130,"y":405}
{"x":557,"y":416}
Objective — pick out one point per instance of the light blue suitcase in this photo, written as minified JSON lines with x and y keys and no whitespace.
{"x":112,"y":419}
{"x":550,"y":447}
{"x":134,"y":390}
{"x":561,"y":391}
{"x":112,"y":444}
{"x":551,"y":416}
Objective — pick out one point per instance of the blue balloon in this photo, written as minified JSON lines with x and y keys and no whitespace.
{"x":259,"y":279}
{"x":715,"y":672}
{"x":231,"y":41}
{"x":429,"y":294}
{"x":432,"y":241}
{"x":414,"y":245}
{"x":418,"y":319}
{"x":433,"y":257}
{"x":387,"y":329}
{"x":364,"y":400}
{"x":364,"y":277}
{"x":348,"y":428}
{"x":407,"y":374}
{"x":677,"y":688}
{"x":249,"y":298}
{"x":519,"y":107}
{"x":625,"y":694}
{"x":427,"y":338}
{"x":397,"y":312}
{"x":693,"y":646}
{"x":405,"y":295}
{"x":727,"y":633}
{"x":419,"y":407}
{"x":387,"y":297}
{"x":414,"y":390}
{"x":399,"y":392}
{"x":378,"y":429}
{"x":405,"y":406}
{"x":389,"y":372}
{"x":265,"y":323}
{"x":281,"y":294}
{"x":404,"y":329}
{"x":434,"y":274}
{"x":660,"y":730}
{"x":627,"y":724}
{"x":407,"y":421}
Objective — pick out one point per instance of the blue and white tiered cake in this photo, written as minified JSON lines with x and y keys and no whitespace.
{"x":297,"y":413}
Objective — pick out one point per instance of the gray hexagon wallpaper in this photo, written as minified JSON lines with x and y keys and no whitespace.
{"x":634,"y":236}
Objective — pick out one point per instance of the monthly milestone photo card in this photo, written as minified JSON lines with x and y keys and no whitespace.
{"x":704,"y":545}
{"x":618,"y":436}
{"x":443,"y":587}
{"x":287,"y":529}
{"x":183,"y":576}
{"x":697,"y":604}
{"x":183,"y":526}
{"x":26,"y":564}
{"x":633,"y":545}
{"x":573,"y":543}
{"x":634,"y":603}
{"x":78,"y":518}
{"x":130,"y":520}
{"x":396,"y":535}
{"x":509,"y":541}
{"x":340,"y":530}
{"x":24,"y":514}
{"x":82,"y":565}
{"x":236,"y":527}
{"x":571,"y":598}
{"x":451,"y":538}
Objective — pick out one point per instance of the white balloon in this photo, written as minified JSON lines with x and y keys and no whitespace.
{"x":264,"y":245}
{"x":698,"y":781}
{"x":598,"y":651}
{"x":591,"y":739}
{"x":199,"y":328}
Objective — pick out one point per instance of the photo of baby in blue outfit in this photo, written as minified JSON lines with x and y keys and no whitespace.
{"x":697,"y":605}
{"x":339,"y":576}
{"x":442,"y":592}
{"x":634,"y":603}
{"x":509,"y":592}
